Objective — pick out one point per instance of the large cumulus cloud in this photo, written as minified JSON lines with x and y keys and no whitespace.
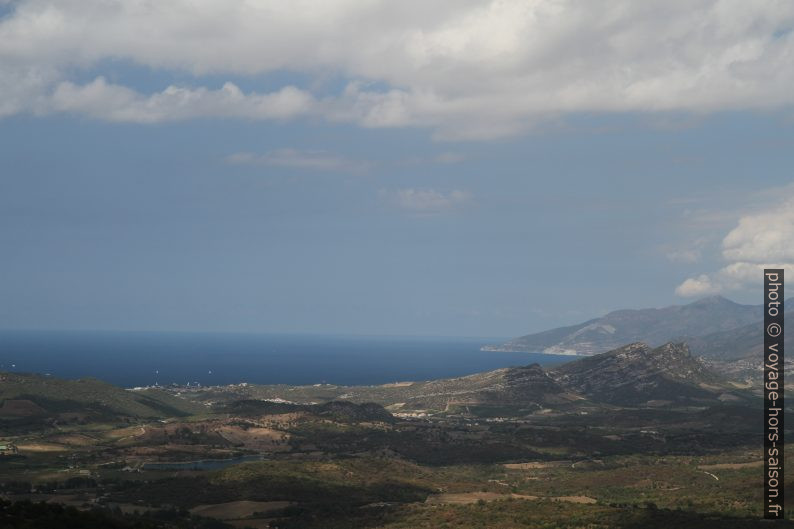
{"x":463,"y":68}
{"x":764,"y":239}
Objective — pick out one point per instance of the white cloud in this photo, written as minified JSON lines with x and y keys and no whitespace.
{"x":697,"y":287}
{"x":685,"y":255}
{"x":763,"y":239}
{"x":767,"y":236}
{"x":292,"y":158}
{"x":118,"y":103}
{"x":689,"y":253}
{"x":427,"y":201}
{"x":465,"y":68}
{"x":443,"y":158}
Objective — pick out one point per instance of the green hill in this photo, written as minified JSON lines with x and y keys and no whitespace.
{"x":26,"y":395}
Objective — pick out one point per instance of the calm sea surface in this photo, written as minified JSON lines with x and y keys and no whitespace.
{"x":137,"y":359}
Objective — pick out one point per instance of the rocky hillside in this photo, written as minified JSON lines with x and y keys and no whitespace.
{"x":652,"y":326}
{"x":637,"y":374}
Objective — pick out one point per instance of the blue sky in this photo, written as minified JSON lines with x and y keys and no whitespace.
{"x":338,"y":183}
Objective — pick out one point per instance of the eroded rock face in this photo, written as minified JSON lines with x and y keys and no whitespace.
{"x":637,"y":373}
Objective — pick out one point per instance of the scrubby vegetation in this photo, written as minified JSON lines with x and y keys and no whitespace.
{"x":226,"y":456}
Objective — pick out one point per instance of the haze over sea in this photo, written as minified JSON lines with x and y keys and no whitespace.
{"x":146,"y":358}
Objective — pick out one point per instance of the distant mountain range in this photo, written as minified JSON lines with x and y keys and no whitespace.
{"x":742,"y":342}
{"x":714,"y":327}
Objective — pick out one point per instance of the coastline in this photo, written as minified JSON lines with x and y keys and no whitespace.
{"x":549,"y":351}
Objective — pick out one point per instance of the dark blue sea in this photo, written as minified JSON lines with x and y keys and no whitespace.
{"x":141,"y":358}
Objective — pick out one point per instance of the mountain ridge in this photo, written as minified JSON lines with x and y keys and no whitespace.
{"x":654,"y":326}
{"x":637,"y":373}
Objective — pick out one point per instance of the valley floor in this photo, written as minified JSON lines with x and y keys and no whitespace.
{"x":338,"y":471}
